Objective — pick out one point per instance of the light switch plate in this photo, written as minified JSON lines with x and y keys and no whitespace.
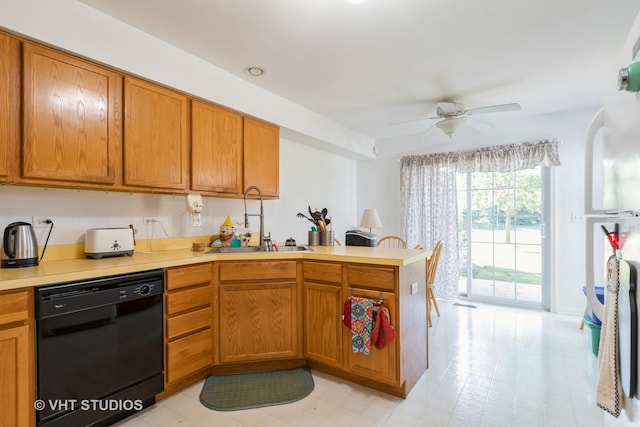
{"x":414,"y":288}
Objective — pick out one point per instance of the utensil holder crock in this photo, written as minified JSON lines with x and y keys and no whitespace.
{"x":326,"y":238}
{"x":314,"y":238}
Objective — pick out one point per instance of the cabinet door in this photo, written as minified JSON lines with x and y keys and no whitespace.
{"x":16,"y":398}
{"x":156,"y":136}
{"x":216,"y":149}
{"x":9,"y":107}
{"x":323,"y":323}
{"x":71,"y":118}
{"x":379,"y":365}
{"x":261,"y":156}
{"x":258,"y":322}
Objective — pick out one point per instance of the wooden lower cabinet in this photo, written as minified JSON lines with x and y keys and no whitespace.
{"x":322,"y":312}
{"x":258,"y":321}
{"x":258,"y":311}
{"x":394,"y":369}
{"x":273,"y":314}
{"x":323,"y":323}
{"x":17,"y":383}
{"x":188,"y":322}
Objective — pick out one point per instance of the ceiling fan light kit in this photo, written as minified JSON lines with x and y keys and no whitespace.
{"x":450,"y":125}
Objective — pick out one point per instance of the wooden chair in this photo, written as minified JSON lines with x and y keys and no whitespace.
{"x":432,"y":267}
{"x":392,"y":242}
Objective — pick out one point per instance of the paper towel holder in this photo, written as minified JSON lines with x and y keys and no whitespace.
{"x":194,"y":203}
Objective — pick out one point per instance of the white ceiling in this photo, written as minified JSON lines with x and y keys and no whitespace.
{"x":385,"y":61}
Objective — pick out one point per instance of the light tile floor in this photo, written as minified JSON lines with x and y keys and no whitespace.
{"x":489,"y":366}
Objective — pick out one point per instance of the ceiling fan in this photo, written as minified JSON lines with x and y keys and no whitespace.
{"x":453,"y":115}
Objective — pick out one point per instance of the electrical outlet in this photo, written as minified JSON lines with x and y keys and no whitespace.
{"x":41,"y":221}
{"x":577,"y":217}
{"x":196,"y":219}
{"x":149,"y":220}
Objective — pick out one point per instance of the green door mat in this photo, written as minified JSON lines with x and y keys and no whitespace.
{"x":257,"y":389}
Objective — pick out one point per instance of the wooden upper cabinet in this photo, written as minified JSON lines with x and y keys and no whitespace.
{"x":9,"y":107}
{"x":216,"y":149}
{"x":71,"y":119}
{"x":261,"y":156}
{"x":156,"y":136}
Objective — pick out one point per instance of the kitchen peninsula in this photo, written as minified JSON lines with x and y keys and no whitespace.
{"x":227,"y":313}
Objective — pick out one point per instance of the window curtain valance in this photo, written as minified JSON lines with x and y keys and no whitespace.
{"x":499,"y":158}
{"x":509,"y":158}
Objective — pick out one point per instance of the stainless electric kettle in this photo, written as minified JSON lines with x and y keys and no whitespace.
{"x":19,"y":246}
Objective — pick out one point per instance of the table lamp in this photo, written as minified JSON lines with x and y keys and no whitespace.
{"x":370,"y":219}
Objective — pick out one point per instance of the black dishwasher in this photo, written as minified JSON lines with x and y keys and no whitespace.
{"x":99,"y":349}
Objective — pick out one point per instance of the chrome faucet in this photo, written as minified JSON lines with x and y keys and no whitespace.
{"x":261,"y":214}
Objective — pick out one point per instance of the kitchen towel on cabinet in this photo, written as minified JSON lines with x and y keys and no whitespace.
{"x":609,"y":396}
{"x":361,"y":324}
{"x":366,"y":328}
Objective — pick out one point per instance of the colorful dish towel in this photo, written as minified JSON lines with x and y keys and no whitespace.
{"x":361,"y":324}
{"x":609,"y":395}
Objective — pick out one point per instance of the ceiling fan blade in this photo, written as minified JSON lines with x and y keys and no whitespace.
{"x":425,"y":132}
{"x":473,"y":121}
{"x":413,"y":121}
{"x":494,"y":109}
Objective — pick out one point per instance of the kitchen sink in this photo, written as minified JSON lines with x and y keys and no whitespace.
{"x":243,"y":249}
{"x":294,"y":249}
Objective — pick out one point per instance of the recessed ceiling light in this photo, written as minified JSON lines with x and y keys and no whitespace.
{"x":254,"y":71}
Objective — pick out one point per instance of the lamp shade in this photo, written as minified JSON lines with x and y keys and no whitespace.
{"x":370,"y":219}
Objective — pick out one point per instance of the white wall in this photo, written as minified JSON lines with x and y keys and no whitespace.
{"x":307,"y":177}
{"x":379,"y":186}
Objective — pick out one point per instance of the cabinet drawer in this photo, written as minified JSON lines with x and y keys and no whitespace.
{"x":189,"y":299}
{"x":323,"y":271}
{"x":188,"y":322}
{"x":257,"y":270}
{"x":186,"y":276}
{"x":14,"y":307}
{"x":189,"y":354}
{"x":372,"y":277}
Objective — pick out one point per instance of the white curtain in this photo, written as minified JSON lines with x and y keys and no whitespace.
{"x":429,"y":213}
{"x":429,"y":210}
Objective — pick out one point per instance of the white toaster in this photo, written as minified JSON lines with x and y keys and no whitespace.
{"x":107,"y":242}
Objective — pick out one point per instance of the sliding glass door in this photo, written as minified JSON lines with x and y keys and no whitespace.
{"x":502,"y":236}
